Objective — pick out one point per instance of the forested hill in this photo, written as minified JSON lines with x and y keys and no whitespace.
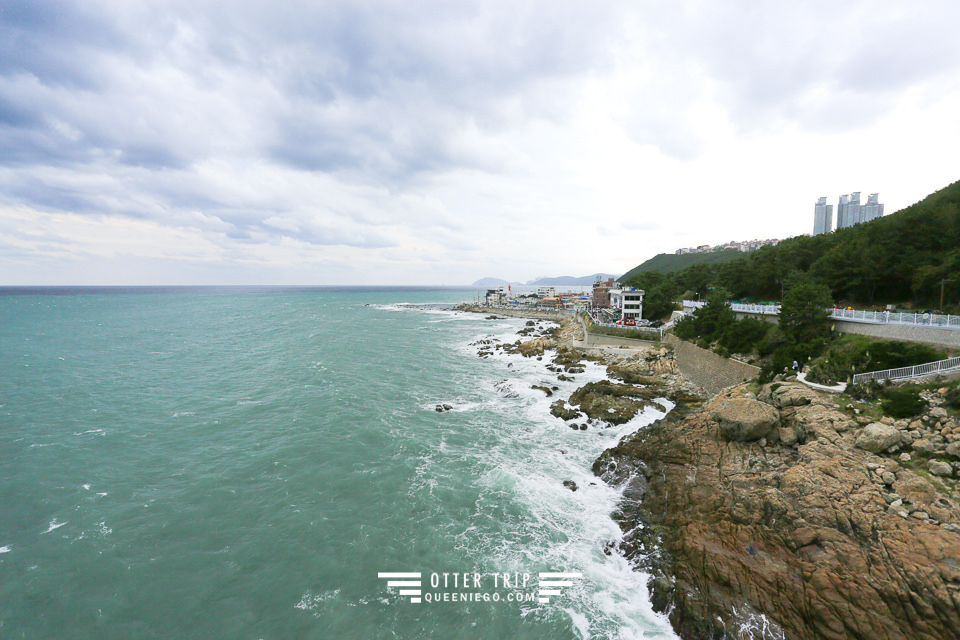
{"x":902,"y":257}
{"x":670,"y":262}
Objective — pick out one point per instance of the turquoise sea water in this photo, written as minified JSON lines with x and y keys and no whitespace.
{"x":243,"y":463}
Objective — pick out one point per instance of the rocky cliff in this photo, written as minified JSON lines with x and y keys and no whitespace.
{"x":779,"y":515}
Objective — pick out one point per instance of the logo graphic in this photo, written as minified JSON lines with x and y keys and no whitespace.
{"x":550,"y":584}
{"x":467,"y":586}
{"x":410,"y":580}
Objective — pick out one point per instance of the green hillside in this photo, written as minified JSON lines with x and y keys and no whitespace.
{"x":670,"y":262}
{"x":903,"y":258}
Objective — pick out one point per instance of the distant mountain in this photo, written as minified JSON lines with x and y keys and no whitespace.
{"x":493,"y":282}
{"x":670,"y":262}
{"x":570,"y":281}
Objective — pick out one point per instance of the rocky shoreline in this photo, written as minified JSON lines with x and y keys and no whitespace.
{"x":774,"y":512}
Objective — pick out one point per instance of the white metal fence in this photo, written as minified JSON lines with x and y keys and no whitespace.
{"x":936,"y":321}
{"x":908,"y":372}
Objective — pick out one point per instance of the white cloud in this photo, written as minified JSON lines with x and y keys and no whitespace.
{"x":345,"y":142}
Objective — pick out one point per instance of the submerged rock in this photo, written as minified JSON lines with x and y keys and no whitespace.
{"x":612,"y":402}
{"x":560,"y":409}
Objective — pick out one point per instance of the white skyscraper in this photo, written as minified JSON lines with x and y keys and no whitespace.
{"x":822,"y":217}
{"x":872,"y":210}
{"x":848,"y":210}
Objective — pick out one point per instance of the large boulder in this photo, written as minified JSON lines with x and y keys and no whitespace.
{"x":789,"y":394}
{"x":877,"y":437}
{"x":745,"y":420}
{"x":940,"y":468}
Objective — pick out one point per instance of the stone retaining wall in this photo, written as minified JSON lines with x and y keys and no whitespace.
{"x":708,"y":370}
{"x":945,"y":338}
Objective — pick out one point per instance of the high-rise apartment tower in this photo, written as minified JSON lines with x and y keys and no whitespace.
{"x":848,"y":211}
{"x":822,"y":217}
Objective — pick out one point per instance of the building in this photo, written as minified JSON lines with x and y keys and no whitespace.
{"x":822,"y":217}
{"x":498,"y":296}
{"x":851,"y":212}
{"x":629,"y":300}
{"x":601,"y":293}
{"x":848,"y":210}
{"x":733,"y":245}
{"x":546,"y":292}
{"x":872,"y":210}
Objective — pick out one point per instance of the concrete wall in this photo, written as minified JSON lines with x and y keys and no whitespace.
{"x":944,"y":338}
{"x":705,"y":368}
{"x":600,"y":340}
{"x":521,"y":313}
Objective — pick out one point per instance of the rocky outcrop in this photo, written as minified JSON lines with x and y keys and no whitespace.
{"x":745,"y":420}
{"x":818,"y":535}
{"x":613,"y":403}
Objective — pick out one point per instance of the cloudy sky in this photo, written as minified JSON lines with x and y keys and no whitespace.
{"x":379,"y":142}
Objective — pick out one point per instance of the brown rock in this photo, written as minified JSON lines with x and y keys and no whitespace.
{"x":877,"y":437}
{"x":802,"y":536}
{"x":745,"y":420}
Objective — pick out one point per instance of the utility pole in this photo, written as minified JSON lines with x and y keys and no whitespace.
{"x":942,"y":281}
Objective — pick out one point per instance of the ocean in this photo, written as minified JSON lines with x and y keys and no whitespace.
{"x":267,"y":463}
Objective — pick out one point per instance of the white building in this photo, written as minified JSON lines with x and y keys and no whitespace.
{"x":822,"y":217}
{"x":629,"y":300}
{"x":546,"y":292}
{"x":848,"y":210}
{"x":851,"y":212}
{"x":872,"y":210}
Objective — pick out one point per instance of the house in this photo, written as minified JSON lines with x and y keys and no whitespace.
{"x":601,"y":293}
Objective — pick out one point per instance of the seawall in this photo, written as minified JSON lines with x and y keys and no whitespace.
{"x":708,"y":370}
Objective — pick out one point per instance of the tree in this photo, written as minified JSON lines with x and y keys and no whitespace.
{"x":804,"y":315}
{"x":711,"y":320}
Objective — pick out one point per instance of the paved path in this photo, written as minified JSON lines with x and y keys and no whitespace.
{"x":840,"y":388}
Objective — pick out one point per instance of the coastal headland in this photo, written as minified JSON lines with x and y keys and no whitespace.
{"x":771,"y":512}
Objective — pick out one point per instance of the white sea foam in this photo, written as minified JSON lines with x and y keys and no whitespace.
{"x":53,"y":525}
{"x":91,"y":432}
{"x":314,"y":602}
{"x":5,"y":549}
{"x":556,"y":529}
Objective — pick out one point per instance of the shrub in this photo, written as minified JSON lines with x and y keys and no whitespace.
{"x":903,"y":402}
{"x":856,"y":354}
{"x":953,"y":397}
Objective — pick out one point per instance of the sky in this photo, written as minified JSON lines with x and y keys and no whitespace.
{"x":328,"y":142}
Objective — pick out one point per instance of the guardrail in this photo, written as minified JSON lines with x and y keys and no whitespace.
{"x":661,"y":329}
{"x":885,"y":317}
{"x":936,"y":321}
{"x":909,"y":372}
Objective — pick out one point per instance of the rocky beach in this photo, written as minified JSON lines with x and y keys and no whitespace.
{"x":771,"y":511}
